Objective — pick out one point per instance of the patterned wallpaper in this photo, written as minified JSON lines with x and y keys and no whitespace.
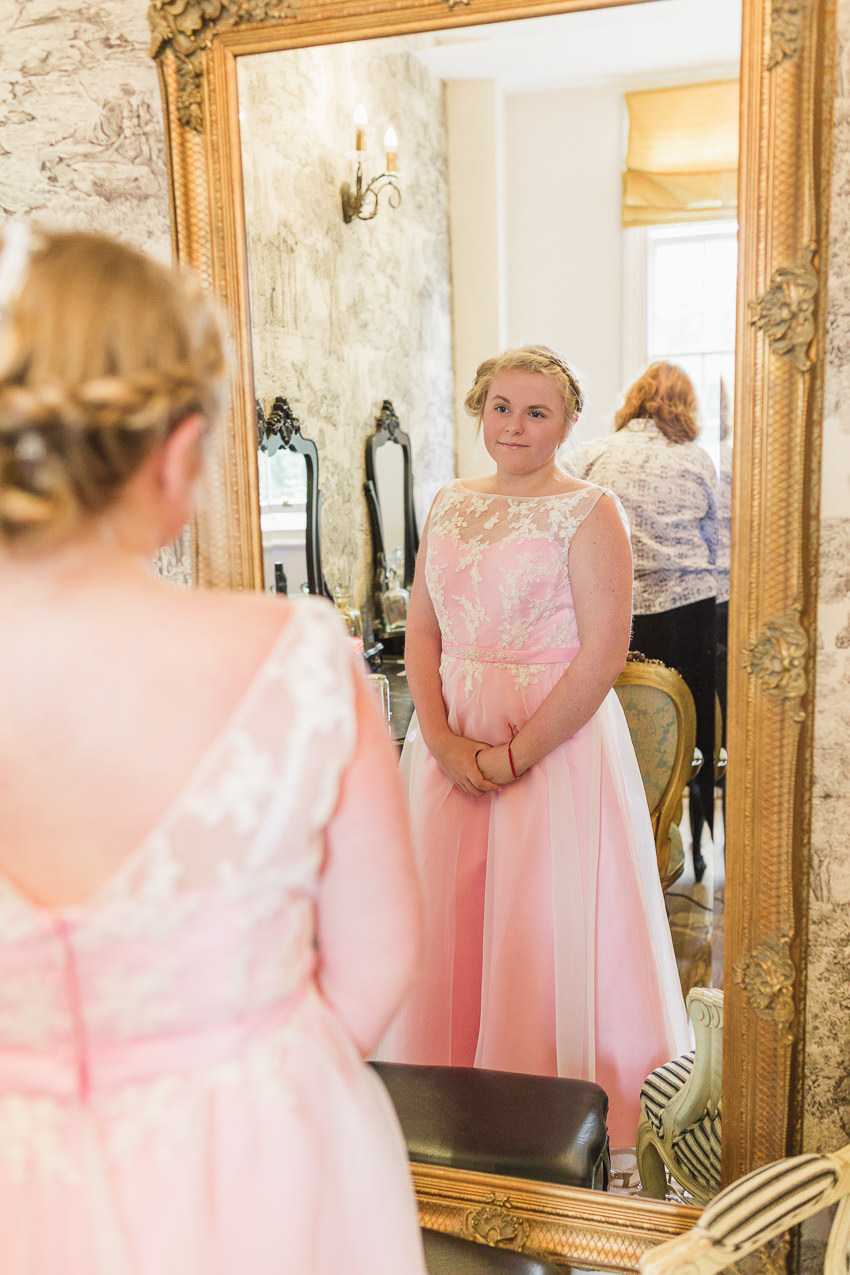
{"x":827,"y":1075}
{"x":344,"y":316}
{"x":81,"y":140}
{"x":81,"y":135}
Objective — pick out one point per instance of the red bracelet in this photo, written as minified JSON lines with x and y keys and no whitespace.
{"x":511,"y":760}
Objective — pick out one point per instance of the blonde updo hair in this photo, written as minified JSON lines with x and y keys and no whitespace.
{"x":529,"y":358}
{"x":103,"y":352}
{"x":664,"y":393}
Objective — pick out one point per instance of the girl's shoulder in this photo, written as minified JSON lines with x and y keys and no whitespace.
{"x":608,"y":507}
{"x":448,"y":496}
{"x":584,"y":487}
{"x":239,"y":626}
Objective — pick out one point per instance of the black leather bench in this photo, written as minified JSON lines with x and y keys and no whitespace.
{"x":543,"y":1128}
{"x":448,"y":1255}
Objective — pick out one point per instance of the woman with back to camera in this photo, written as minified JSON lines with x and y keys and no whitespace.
{"x":667,"y":483}
{"x":205,"y":921}
{"x":547,"y":947}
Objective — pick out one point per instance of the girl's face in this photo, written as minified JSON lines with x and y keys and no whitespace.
{"x":523,"y":422}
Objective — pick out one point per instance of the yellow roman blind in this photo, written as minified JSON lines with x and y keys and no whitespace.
{"x":682,"y":157}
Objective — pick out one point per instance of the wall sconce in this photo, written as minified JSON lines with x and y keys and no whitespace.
{"x":362,"y":202}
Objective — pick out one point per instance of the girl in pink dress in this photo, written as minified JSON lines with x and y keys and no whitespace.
{"x":547,"y":943}
{"x":206,"y":920}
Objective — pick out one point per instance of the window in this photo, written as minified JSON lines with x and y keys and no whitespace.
{"x":283,"y":491}
{"x":691,"y":279}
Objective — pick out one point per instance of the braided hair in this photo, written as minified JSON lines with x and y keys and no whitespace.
{"x":528,"y":358}
{"x":103,"y":352}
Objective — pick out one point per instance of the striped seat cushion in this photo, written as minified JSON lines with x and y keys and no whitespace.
{"x":769,"y":1200}
{"x":697,"y":1149}
{"x":662,"y":1085}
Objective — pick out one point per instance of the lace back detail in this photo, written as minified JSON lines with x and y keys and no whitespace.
{"x":212,"y":918}
{"x":259,"y":787}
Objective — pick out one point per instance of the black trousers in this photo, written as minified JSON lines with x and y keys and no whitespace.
{"x":685,"y":639}
{"x":722,"y":628}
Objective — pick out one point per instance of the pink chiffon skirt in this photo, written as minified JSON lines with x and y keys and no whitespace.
{"x":284,"y":1158}
{"x":548,"y":948}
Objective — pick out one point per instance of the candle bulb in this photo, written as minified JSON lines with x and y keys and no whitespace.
{"x":361,"y":119}
{"x":391,"y":147}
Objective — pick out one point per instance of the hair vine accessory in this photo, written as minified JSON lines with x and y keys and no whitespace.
{"x":14,"y":259}
{"x":30,"y":448}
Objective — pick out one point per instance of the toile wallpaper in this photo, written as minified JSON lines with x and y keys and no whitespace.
{"x":81,"y":134}
{"x":81,"y":138}
{"x":345,"y":316}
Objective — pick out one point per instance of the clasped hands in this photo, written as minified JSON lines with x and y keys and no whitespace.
{"x":473,"y":766}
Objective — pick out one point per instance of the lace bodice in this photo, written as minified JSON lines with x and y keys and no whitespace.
{"x":497,"y":569}
{"x":211,"y":921}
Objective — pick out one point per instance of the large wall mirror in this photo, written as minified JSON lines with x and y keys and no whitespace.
{"x":257,"y":213}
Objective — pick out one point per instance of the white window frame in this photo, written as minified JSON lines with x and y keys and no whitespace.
{"x":283,"y":520}
{"x":637,"y":287}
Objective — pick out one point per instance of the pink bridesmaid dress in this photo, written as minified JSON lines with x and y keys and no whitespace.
{"x":177,"y":1096}
{"x":547,"y":943}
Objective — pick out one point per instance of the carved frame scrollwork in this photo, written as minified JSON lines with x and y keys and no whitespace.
{"x":778,"y":657}
{"x":187,"y":29}
{"x":786,"y":312}
{"x":786,"y":31}
{"x":786,"y":99}
{"x":493,"y":1223}
{"x":768,"y":977}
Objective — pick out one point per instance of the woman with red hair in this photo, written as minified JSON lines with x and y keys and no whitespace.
{"x":667,"y":483}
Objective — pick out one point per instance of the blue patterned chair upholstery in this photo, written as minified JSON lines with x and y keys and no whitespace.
{"x":660,"y":712}
{"x":680,"y":1122}
{"x":761,"y":1207}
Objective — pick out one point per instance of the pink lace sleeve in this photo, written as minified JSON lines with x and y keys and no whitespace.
{"x":368,"y":903}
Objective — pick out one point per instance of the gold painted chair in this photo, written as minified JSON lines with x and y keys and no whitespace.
{"x":759,"y":1208}
{"x":680,"y":1121}
{"x":660,"y":712}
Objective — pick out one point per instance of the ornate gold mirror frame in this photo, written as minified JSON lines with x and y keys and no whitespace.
{"x":786,"y":107}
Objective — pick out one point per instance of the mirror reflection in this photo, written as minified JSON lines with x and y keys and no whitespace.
{"x":290,"y":503}
{"x":510,"y":230}
{"x":392,"y":524}
{"x":283,"y":515}
{"x":389,"y":484}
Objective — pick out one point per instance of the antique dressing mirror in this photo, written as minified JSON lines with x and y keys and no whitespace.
{"x":785,"y":142}
{"x":290,"y":503}
{"x":390,"y":495}
{"x":392,"y":523}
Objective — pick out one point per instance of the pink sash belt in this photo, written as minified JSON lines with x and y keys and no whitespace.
{"x":75,"y":1074}
{"x":497,"y":655}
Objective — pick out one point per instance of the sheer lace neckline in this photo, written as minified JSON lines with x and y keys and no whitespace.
{"x":499,"y":495}
{"x":199,"y":769}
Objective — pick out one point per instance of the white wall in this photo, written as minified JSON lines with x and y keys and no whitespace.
{"x":564,"y":157}
{"x":474,"y":123}
{"x":537,"y":246}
